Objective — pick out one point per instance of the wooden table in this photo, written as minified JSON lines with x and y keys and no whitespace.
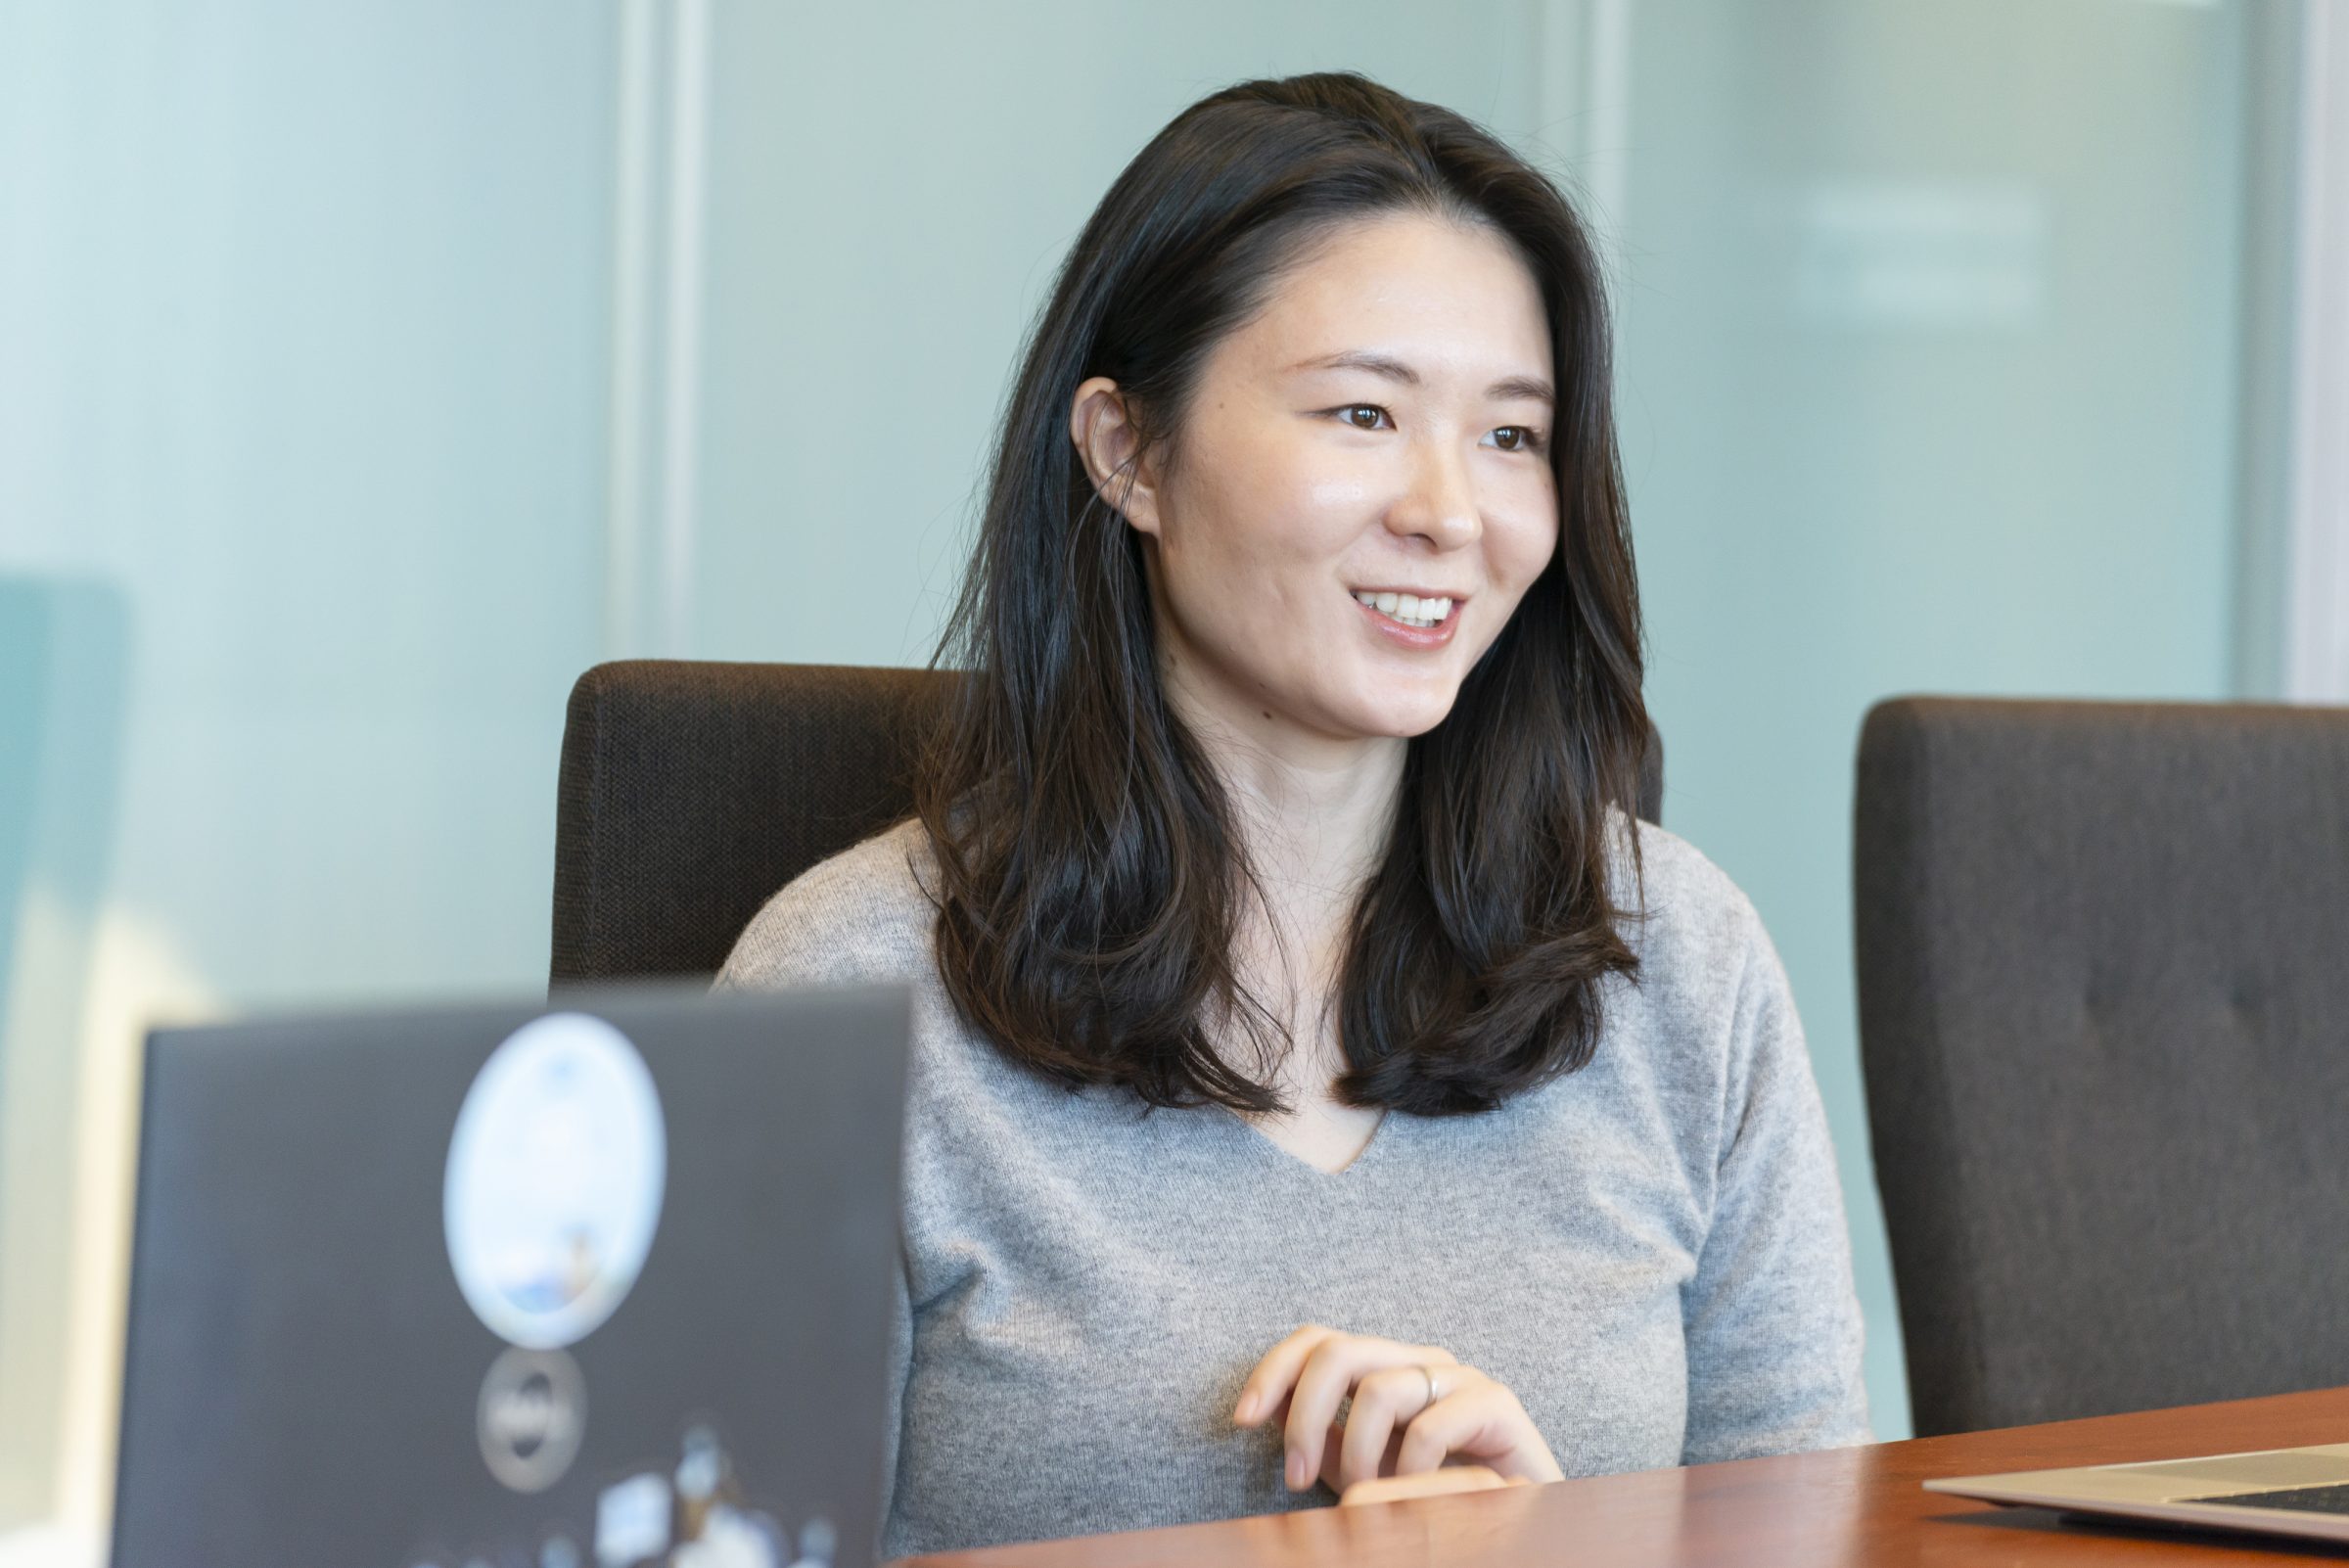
{"x":1805,"y":1510}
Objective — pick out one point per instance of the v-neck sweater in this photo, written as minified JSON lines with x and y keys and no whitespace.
{"x":1650,"y":1252}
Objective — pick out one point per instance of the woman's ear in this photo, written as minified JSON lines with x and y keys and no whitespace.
{"x":1106,"y":438}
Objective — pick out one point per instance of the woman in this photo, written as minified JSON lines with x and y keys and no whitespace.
{"x":1304,"y":1028}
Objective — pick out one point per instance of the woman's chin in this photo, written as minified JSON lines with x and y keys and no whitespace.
{"x":1390,"y":718}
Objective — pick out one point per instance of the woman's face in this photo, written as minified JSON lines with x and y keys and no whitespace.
{"x":1375,"y":441}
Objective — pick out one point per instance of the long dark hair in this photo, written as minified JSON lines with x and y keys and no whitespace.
{"x":1089,"y":867}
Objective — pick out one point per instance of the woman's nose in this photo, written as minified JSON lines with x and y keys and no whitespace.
{"x":1441,"y":503}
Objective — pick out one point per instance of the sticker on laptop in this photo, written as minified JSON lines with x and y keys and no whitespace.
{"x":531,"y":1416}
{"x":555,"y":1175}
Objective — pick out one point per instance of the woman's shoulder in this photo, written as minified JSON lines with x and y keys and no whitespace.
{"x":861,"y":916}
{"x":1709,"y":1001}
{"x":1690,"y":923}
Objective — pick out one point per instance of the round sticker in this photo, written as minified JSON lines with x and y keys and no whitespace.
{"x":554,"y":1181}
{"x":533,"y":1414}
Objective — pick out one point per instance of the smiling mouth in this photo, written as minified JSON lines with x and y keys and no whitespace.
{"x":1408,"y":609}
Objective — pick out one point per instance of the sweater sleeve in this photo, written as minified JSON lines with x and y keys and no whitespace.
{"x":1771,"y":1321}
{"x":817,"y":932}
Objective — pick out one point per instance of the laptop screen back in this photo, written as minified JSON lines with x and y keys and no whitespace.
{"x":613,"y":1294}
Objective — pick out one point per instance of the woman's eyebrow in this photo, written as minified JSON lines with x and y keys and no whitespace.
{"x":1393,"y":369}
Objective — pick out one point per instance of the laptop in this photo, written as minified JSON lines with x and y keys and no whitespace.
{"x":600,"y":1285}
{"x":2275,"y":1492}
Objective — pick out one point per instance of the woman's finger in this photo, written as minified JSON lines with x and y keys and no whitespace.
{"x":1270,"y":1381}
{"x":1333,"y":1444}
{"x":1329,"y":1374}
{"x":1432,"y":1483}
{"x":1482,"y":1422}
{"x":1383,"y":1402}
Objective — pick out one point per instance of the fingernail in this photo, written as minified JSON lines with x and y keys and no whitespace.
{"x":1295,"y":1472}
{"x":1247,"y":1408}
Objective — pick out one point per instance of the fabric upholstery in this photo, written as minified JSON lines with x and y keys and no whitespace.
{"x":2103,"y":965}
{"x":691,"y":791}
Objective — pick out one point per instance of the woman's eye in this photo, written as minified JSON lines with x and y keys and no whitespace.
{"x":1518,"y":438}
{"x":1354,"y":415}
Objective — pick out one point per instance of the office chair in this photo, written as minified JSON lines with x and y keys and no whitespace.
{"x":691,"y":791}
{"x":2103,"y":965}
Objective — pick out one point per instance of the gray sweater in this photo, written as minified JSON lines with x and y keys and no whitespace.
{"x":1650,"y":1252}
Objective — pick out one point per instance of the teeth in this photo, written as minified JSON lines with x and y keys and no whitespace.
{"x":1409,"y":609}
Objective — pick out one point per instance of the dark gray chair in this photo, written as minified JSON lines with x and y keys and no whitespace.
{"x":2103,"y":963}
{"x":690,"y":792}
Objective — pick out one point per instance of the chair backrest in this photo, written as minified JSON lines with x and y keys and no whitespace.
{"x":2103,"y":965}
{"x":690,"y":792}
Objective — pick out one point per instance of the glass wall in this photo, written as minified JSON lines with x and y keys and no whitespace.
{"x":1929,"y":370}
{"x":303,"y":374}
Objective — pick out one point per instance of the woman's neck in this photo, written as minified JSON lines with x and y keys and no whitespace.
{"x":1313,"y":812}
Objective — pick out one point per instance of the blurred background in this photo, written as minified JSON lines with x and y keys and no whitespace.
{"x":368,"y":370}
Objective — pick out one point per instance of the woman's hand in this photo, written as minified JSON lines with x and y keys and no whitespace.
{"x":1416,"y":1406}
{"x":1435,"y":1484}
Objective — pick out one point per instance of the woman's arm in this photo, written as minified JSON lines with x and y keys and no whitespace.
{"x":1771,"y":1321}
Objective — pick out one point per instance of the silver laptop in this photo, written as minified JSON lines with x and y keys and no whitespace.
{"x":601,"y":1284}
{"x":2277,"y":1491}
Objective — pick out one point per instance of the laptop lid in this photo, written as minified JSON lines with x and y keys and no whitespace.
{"x":607,"y":1284}
{"x":2283,"y":1491}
